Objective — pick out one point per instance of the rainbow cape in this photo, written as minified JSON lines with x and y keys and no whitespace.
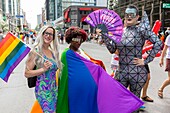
{"x":85,"y":87}
{"x":12,"y":51}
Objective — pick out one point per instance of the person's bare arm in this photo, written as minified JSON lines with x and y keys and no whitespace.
{"x":29,"y":72}
{"x":161,"y":63}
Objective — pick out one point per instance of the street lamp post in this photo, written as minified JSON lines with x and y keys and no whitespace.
{"x":163,"y":19}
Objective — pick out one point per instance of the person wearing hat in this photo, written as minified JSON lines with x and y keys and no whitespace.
{"x":84,"y":85}
{"x":75,"y":37}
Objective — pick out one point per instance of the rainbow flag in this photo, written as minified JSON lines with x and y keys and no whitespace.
{"x":21,"y":37}
{"x":12,"y":51}
{"x":85,"y":87}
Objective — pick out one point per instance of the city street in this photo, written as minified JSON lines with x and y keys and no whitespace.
{"x":16,"y":97}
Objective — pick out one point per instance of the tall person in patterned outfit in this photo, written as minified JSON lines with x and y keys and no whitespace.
{"x":132,"y":71}
{"x":46,"y":89}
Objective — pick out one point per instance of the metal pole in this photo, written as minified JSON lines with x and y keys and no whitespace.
{"x":163,"y":15}
{"x":163,"y":19}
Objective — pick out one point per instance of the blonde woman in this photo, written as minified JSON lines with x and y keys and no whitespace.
{"x":46,"y":60}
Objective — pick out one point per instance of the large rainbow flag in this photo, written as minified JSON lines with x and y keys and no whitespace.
{"x":85,"y":87}
{"x":12,"y":51}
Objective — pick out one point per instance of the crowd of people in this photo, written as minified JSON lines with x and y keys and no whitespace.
{"x":27,"y":37}
{"x":78,"y":86}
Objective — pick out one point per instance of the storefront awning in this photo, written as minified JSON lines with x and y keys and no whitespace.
{"x":66,"y":15}
{"x":85,"y":9}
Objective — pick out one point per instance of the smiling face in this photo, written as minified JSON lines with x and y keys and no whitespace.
{"x":48,"y":35}
{"x":131,"y":16}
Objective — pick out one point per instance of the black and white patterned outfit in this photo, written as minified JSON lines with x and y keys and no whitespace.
{"x":131,"y":45}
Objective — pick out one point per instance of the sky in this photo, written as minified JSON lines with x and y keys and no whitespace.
{"x":32,"y":9}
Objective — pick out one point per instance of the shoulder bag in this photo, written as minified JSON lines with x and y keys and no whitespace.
{"x":32,"y":80}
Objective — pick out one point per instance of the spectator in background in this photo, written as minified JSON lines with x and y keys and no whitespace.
{"x":166,"y":50}
{"x":34,"y":37}
{"x":21,"y":36}
{"x":114,"y":63}
{"x":27,"y":37}
{"x":168,"y":30}
{"x":31,"y":36}
{"x":62,"y":38}
{"x":144,"y":96}
{"x":1,"y":35}
{"x":89,"y":37}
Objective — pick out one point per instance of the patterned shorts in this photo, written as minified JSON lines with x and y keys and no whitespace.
{"x":167,"y":68}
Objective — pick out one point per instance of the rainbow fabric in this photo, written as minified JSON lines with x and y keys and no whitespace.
{"x":21,"y":37}
{"x":12,"y":51}
{"x":85,"y":87}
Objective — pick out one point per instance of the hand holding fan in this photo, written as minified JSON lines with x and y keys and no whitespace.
{"x":108,"y":21}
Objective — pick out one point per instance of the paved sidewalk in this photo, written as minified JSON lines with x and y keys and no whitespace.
{"x":14,"y":93}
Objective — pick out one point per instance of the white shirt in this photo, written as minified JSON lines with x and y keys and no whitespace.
{"x":115,"y":60}
{"x":167,"y":42}
{"x":167,"y":31}
{"x":81,"y":53}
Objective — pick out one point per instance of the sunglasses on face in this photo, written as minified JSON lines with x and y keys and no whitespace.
{"x":80,"y":40}
{"x":130,"y":15}
{"x":48,"y":34}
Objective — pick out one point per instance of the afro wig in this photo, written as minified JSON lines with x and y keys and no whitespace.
{"x":73,"y":32}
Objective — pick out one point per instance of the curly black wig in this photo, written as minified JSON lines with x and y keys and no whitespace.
{"x":73,"y":32}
